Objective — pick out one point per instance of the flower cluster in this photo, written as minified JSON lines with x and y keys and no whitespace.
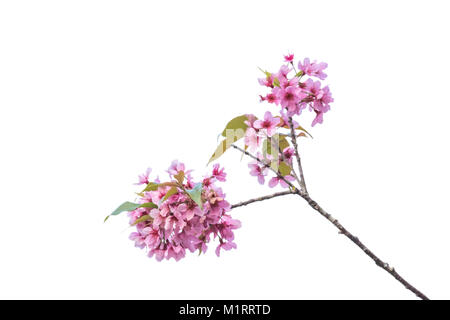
{"x":299,"y":91}
{"x":183,"y":215}
{"x":294,"y":91}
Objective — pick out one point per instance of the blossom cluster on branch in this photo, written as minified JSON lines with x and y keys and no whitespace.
{"x":181,"y":214}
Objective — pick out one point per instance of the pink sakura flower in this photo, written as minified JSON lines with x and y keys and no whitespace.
{"x":251,"y":139}
{"x":275,"y":180}
{"x":313,"y":69}
{"x":318,"y":118}
{"x":289,"y":57}
{"x":158,"y":253}
{"x":257,"y":171}
{"x":283,"y":73}
{"x":143,"y":178}
{"x":313,"y":88}
{"x":175,"y":251}
{"x":225,"y":246}
{"x":269,"y":124}
{"x":288,"y":96}
{"x":267,"y":81}
{"x":270,"y":98}
{"x":288,"y":154}
{"x":250,"y":122}
{"x":218,"y":173}
{"x":284,"y":83}
{"x":322,"y":103}
{"x":175,"y":167}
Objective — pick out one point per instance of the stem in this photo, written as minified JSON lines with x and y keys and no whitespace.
{"x":337,"y":224}
{"x":266,"y":165}
{"x":366,"y":250}
{"x":283,"y":158}
{"x":297,"y":156}
{"x":277,"y":194}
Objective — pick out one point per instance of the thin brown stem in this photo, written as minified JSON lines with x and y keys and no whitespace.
{"x":265,"y":165}
{"x":385,"y":266}
{"x":283,"y":158}
{"x":366,"y":250}
{"x":270,"y":196}
{"x":297,"y":156}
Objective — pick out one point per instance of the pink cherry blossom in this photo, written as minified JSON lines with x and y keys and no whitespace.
{"x":252,"y":139}
{"x":225,"y":246}
{"x":275,"y":180}
{"x":143,"y":178}
{"x":218,"y":173}
{"x":175,"y":167}
{"x":288,"y":154}
{"x":250,"y":122}
{"x":289,"y":57}
{"x":313,"y":68}
{"x":269,"y":123}
{"x":258,"y":171}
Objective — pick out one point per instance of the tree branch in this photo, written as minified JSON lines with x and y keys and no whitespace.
{"x":366,"y":250}
{"x":266,"y":165}
{"x":277,"y":194}
{"x":337,"y":224}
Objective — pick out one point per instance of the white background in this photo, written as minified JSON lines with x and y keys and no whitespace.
{"x":93,"y":92}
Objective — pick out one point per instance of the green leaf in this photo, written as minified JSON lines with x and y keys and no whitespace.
{"x":169,"y":193}
{"x":238,"y":128}
{"x":304,"y":130}
{"x":130,"y":206}
{"x":267,"y":73}
{"x":276,"y":82}
{"x":284,"y":169}
{"x":151,"y":187}
{"x":141,"y":219}
{"x":236,"y":124}
{"x":196,"y":194}
{"x":267,"y":147}
{"x":283,"y":143}
{"x":148,"y":205}
{"x":126,"y":206}
{"x":299,"y":74}
{"x":223,"y":146}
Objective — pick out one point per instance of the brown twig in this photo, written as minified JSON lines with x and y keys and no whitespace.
{"x":271,"y":196}
{"x":385,"y":266}
{"x":265,"y":165}
{"x":297,"y":156}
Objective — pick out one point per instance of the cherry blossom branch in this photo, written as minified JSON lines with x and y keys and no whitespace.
{"x":297,"y":156}
{"x":342,"y":230}
{"x":283,"y":158}
{"x":266,"y":165}
{"x":270,"y":196}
